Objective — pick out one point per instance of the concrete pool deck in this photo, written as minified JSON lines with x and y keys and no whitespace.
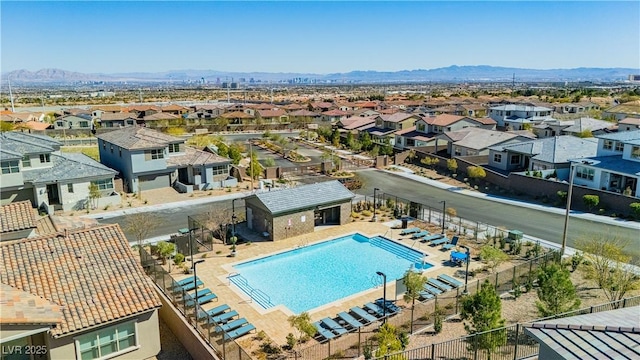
{"x":214,"y":271}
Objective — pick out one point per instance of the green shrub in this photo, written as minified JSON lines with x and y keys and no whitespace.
{"x":635,"y":209}
{"x":178,"y":259}
{"x":591,"y":201}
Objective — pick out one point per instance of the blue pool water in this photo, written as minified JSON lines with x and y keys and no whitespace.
{"x":311,"y":276}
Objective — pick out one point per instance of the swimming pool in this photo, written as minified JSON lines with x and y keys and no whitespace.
{"x":314,"y":275}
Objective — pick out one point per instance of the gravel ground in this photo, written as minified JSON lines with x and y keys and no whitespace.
{"x":172,"y":349}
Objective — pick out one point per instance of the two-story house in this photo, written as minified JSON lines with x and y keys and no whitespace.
{"x":34,"y":169}
{"x":426,"y":129}
{"x":616,"y":166}
{"x":115,"y":120}
{"x":515,"y":116}
{"x":272,"y":116}
{"x":474,"y":141}
{"x":79,"y":121}
{"x":629,"y":124}
{"x":387,"y":125}
{"x":149,"y":159}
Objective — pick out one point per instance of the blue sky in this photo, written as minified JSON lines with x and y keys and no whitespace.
{"x":316,"y":37}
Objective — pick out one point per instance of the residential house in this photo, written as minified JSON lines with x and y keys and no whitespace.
{"x":622,"y":111}
{"x":34,"y":169}
{"x":576,"y":108}
{"x":77,"y":295}
{"x":426,"y":128}
{"x":616,"y":166}
{"x":334,"y":115}
{"x":80,"y":121}
{"x":322,"y":106}
{"x":515,"y":116}
{"x":473,"y":141}
{"x":387,"y":125}
{"x":474,"y":110}
{"x":575,"y":127}
{"x":18,"y":220}
{"x":272,"y":116}
{"x":294,"y":107}
{"x":143,"y":110}
{"x":238,"y":118}
{"x":115,"y":120}
{"x":549,"y":153}
{"x":304,"y":116}
{"x":160,"y":119}
{"x":174,"y":109}
{"x":629,"y":124}
{"x":97,"y":111}
{"x":148,"y":159}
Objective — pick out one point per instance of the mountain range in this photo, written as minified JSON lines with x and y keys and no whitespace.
{"x":479,"y":73}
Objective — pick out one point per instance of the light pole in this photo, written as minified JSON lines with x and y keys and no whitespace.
{"x":384,"y":296}
{"x":195,"y":279}
{"x":572,"y":175}
{"x":374,"y":204}
{"x":466,"y":274}
{"x":444,"y":206}
{"x":233,"y":217}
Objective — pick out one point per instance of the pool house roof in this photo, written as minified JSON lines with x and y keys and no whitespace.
{"x":303,"y":197}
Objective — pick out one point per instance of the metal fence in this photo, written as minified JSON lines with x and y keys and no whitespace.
{"x":202,"y":322}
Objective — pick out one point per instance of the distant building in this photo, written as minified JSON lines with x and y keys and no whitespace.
{"x":634,"y":77}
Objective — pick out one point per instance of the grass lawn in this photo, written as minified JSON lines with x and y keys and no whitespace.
{"x":90,"y":151}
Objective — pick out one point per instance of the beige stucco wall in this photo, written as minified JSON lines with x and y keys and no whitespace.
{"x":147,"y":331}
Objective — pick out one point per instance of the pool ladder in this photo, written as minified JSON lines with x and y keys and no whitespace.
{"x":255,"y":294}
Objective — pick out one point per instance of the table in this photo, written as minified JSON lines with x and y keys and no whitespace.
{"x":458,"y":257}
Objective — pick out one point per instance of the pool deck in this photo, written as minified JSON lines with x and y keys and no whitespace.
{"x":214,"y":271}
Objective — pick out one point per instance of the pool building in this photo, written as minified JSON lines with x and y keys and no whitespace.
{"x":282,"y":214}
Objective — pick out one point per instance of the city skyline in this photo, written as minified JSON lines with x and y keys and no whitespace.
{"x":317,"y":37}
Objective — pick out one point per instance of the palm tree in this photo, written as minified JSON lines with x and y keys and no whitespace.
{"x":414,"y":282}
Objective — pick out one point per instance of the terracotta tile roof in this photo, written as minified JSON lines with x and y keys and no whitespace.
{"x":398,"y":117}
{"x":108,"y":108}
{"x":17,"y":216}
{"x":442,"y":119}
{"x":389,"y":111}
{"x":174,"y":107}
{"x":139,"y":108}
{"x":485,"y":121}
{"x":20,"y":308}
{"x":271,"y":113}
{"x":405,"y":131}
{"x":91,"y":274}
{"x":335,"y":112}
{"x":358,"y":122}
{"x":160,"y":116}
{"x":236,"y":115}
{"x":37,"y":125}
{"x":135,"y":137}
{"x":294,"y":106}
{"x":630,"y":121}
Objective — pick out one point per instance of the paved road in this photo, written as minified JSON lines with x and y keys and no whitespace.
{"x":536,"y":223}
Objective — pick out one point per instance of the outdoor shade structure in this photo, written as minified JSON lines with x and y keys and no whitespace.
{"x":384,"y":295}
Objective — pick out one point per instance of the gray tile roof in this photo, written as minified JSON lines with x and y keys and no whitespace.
{"x":138,"y":138}
{"x":25,"y":143}
{"x":195,"y":157}
{"x":615,"y":163}
{"x":611,"y":334}
{"x":9,"y":155}
{"x":304,"y":197}
{"x":591,"y":124}
{"x":624,"y":136}
{"x":555,"y":150}
{"x":479,"y":138}
{"x":68,"y":167}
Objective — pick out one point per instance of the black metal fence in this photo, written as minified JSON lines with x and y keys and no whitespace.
{"x":202,"y":322}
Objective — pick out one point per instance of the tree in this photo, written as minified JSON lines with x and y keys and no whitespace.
{"x":493,"y":256}
{"x":452,"y":165}
{"x":217,"y":220}
{"x":606,"y":263}
{"x":139,"y":225}
{"x":482,"y":313}
{"x":349,"y":138}
{"x":335,"y":138}
{"x":94,"y":195}
{"x":414,"y":282}
{"x":166,"y":249}
{"x":410,"y":156}
{"x":635,"y":209}
{"x":365,"y":139}
{"x":255,"y":168}
{"x":6,"y":126}
{"x":388,"y":342}
{"x":374,"y":151}
{"x":556,"y":292}
{"x":591,"y":201}
{"x":476,"y":172}
{"x":302,"y":324}
{"x":269,"y":162}
{"x":235,"y":153}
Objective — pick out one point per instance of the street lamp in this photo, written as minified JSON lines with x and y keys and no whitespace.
{"x":466,"y":274}
{"x":572,"y":175}
{"x":444,"y":206}
{"x":384,"y":296}
{"x":374,"y":203}
{"x":233,"y":217}
{"x":195,"y":280}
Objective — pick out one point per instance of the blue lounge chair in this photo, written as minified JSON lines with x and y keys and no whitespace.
{"x":239,"y":332}
{"x":185,"y":281}
{"x":324,"y":332}
{"x":361,"y":313}
{"x":442,"y":240}
{"x":232,"y":325}
{"x":334,"y":326}
{"x":409,"y":231}
{"x":426,"y":295}
{"x":201,"y":293}
{"x":201,"y":300}
{"x":451,"y":245}
{"x":433,"y":290}
{"x":223,"y":318}
{"x":420,"y":235}
{"x":213,"y":312}
{"x":353,"y":322}
{"x":431,"y":238}
{"x":191,"y":286}
{"x":391,"y":307}
{"x":450,"y":280}
{"x":439,"y":284}
{"x":377,"y":309}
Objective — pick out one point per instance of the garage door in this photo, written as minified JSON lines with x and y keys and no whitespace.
{"x":10,"y":196}
{"x":149,"y":182}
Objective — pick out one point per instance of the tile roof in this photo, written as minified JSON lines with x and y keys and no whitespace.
{"x":485,"y":121}
{"x":37,"y":125}
{"x":160,"y":116}
{"x":479,"y":138}
{"x":26,"y":143}
{"x":398,"y":117}
{"x":271,"y":113}
{"x":8,"y":154}
{"x":613,"y":334}
{"x":174,"y":107}
{"x":519,"y":107}
{"x":625,"y":136}
{"x":358,"y":122}
{"x":137,"y":138}
{"x":304,"y":197}
{"x":335,"y":112}
{"x":22,"y":308}
{"x":303,"y":112}
{"x":630,"y":121}
{"x":67,"y":167}
{"x":584,"y":124}
{"x":117,"y":116}
{"x":236,"y":115}
{"x":442,"y":119}
{"x":556,"y":150}
{"x":17,"y":216}
{"x":91,"y":274}
{"x":108,"y":108}
{"x":195,"y":157}
{"x":615,"y":163}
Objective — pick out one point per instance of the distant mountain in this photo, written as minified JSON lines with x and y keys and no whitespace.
{"x":447,"y":74}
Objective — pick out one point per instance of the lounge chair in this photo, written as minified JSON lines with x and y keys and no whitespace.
{"x":363,"y":314}
{"x":334,"y":326}
{"x":448,"y":279}
{"x":353,"y":322}
{"x":213,"y":312}
{"x":431,"y":238}
{"x":239,"y":332}
{"x":377,"y":309}
{"x":432,"y":289}
{"x":439,"y":284}
{"x":391,"y":307}
{"x":324,"y":332}
{"x":201,"y":300}
{"x":440,"y":241}
{"x":426,"y":295}
{"x":191,"y":286}
{"x":420,"y":235}
{"x":450,"y":245}
{"x":223,"y":318}
{"x":185,"y":281}
{"x":409,"y":231}
{"x":232,"y":325}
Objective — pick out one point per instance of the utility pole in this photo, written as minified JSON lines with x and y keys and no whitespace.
{"x":10,"y":95}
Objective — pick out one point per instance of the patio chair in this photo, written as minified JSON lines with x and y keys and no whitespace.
{"x":420,"y":234}
{"x":433,"y":290}
{"x":185,"y":281}
{"x":439,"y":284}
{"x":391,"y":307}
{"x":363,"y":314}
{"x":448,"y":279}
{"x":442,"y":240}
{"x":223,"y":318}
{"x":232,"y":325}
{"x":201,"y":300}
{"x":190,"y":286}
{"x":353,"y":322}
{"x":213,"y":312}
{"x":377,"y":309}
{"x":426,"y":239}
{"x":239,"y":332}
{"x":450,"y":245}
{"x":426,"y":295}
{"x":325,"y":333}
{"x":409,"y":231}
{"x":334,"y":326}
{"x":201,"y":293}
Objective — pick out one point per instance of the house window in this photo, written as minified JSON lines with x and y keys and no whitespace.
{"x":10,"y":167}
{"x":635,"y":152}
{"x":220,"y":170}
{"x":515,"y":159}
{"x":154,"y":154}
{"x":120,"y":152}
{"x":60,"y":124}
{"x":174,"y":148}
{"x":112,"y":149}
{"x":585,"y":173}
{"x":104,"y":184}
{"x":45,"y":158}
{"x":70,"y":188}
{"x":619,"y":146}
{"x":84,"y":124}
{"x":26,"y":161}
{"x":421,"y":127}
{"x":104,"y":144}
{"x":497,"y":158}
{"x":457,"y":151}
{"x":608,"y":145}
{"x":107,"y":342}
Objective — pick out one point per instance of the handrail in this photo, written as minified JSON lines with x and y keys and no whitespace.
{"x":251,"y":289}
